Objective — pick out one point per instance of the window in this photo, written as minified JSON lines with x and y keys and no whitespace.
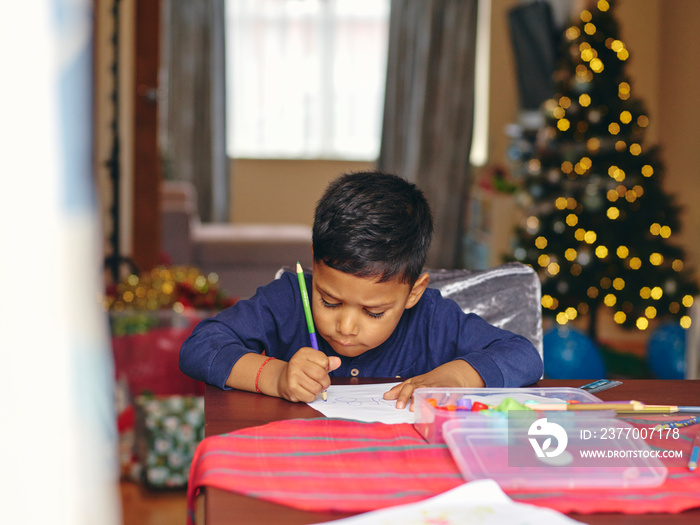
{"x":305,"y":78}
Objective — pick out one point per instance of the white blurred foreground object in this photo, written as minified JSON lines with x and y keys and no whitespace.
{"x":480,"y":502}
{"x":58,"y":436}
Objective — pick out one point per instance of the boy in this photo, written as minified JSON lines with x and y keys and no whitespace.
{"x":373,"y":312}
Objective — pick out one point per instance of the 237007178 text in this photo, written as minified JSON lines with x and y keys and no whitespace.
{"x":618,"y":433}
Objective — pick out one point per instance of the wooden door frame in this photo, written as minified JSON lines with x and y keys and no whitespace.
{"x":146,"y":208}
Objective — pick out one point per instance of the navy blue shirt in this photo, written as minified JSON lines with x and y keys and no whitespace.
{"x":435,"y":331}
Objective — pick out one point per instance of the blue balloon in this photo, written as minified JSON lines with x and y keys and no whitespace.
{"x":666,"y":351}
{"x":568,"y":354}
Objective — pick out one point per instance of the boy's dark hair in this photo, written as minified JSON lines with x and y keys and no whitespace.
{"x":373,"y":224}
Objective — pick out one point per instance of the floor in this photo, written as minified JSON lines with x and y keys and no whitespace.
{"x":144,"y":507}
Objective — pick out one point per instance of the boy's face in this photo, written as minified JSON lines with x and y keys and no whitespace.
{"x":356,"y":314}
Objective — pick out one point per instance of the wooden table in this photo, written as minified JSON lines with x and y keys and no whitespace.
{"x":226,"y":411}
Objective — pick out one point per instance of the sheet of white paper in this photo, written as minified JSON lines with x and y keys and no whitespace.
{"x":366,"y":403}
{"x":478,"y":502}
{"x":362,"y":403}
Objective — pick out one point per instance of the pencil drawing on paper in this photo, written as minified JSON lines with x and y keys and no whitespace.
{"x":360,"y":402}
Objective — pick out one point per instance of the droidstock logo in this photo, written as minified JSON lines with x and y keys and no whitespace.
{"x":542,"y":428}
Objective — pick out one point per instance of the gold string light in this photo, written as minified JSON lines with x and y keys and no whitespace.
{"x":593,"y":144}
{"x":547,"y":301}
{"x":597,"y":64}
{"x":572,"y":33}
{"x":623,"y":91}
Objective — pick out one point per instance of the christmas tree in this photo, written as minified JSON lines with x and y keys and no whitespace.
{"x":598,"y":225}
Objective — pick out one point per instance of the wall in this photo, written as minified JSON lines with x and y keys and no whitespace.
{"x":679,"y":114}
{"x":277,"y":191}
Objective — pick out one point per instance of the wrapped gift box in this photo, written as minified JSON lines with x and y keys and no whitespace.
{"x":146,"y":349}
{"x":168,"y":429}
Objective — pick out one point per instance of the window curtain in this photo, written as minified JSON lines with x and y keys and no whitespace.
{"x":194,"y":121}
{"x":429,"y":102}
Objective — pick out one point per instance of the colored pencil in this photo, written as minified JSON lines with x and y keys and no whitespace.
{"x":694,"y":453}
{"x":622,"y":407}
{"x":679,"y":423}
{"x":668,"y":409}
{"x":307,"y":314}
{"x":579,"y":407}
{"x":651,"y":409}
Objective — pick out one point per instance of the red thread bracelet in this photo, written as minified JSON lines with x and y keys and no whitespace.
{"x":257,"y":377}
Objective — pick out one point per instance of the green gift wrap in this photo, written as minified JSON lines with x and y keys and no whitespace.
{"x":169,"y":428}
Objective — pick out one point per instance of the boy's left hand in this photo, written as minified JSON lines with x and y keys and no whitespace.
{"x":458,"y":374}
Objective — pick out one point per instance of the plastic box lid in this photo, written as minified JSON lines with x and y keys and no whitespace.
{"x":507,"y":456}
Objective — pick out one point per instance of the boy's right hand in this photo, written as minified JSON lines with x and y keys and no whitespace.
{"x":306,"y":375}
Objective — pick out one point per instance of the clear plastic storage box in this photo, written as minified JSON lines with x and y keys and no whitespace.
{"x":429,"y":418}
{"x":501,"y":446}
